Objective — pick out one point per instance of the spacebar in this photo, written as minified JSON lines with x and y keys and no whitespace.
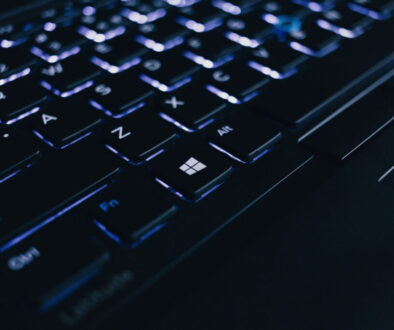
{"x":51,"y":188}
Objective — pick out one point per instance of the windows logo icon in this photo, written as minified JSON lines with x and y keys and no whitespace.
{"x":192,"y":166}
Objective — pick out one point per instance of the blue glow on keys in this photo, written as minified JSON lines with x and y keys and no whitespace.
{"x":206,"y":63}
{"x":119,"y":115}
{"x":47,"y":221}
{"x":55,"y":58}
{"x":350,"y":34}
{"x":113,"y":68}
{"x":215,"y":146}
{"x":162,"y":87}
{"x":116,"y":152}
{"x":22,"y":116}
{"x":157,"y":46}
{"x":101,"y":37}
{"x":199,"y":27}
{"x":228,"y":7}
{"x":15,"y":76}
{"x":41,"y":137}
{"x":230,"y":98}
{"x":139,"y":18}
{"x":242,"y":40}
{"x":308,"y":51}
{"x":368,"y":12}
{"x":73,"y":91}
{"x":269,"y":72}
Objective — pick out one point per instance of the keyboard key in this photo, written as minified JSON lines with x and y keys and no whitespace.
{"x":50,"y":265}
{"x":51,"y":188}
{"x":192,"y":172}
{"x":210,"y":50}
{"x":201,"y":17}
{"x":132,"y":215}
{"x":18,"y":32}
{"x":118,"y":54}
{"x":235,"y":7}
{"x":190,"y":107}
{"x":229,"y":84}
{"x":13,"y":107}
{"x":144,"y":12}
{"x":313,"y":40}
{"x":69,"y":77}
{"x":247,"y":30}
{"x":276,"y":60}
{"x":162,"y":35}
{"x":347,"y":132}
{"x":64,"y":123}
{"x":243,"y":138}
{"x":14,"y":64}
{"x":139,"y":137}
{"x":344,"y":22}
{"x":274,"y":12}
{"x":115,"y":99}
{"x":376,"y":9}
{"x":58,"y":45}
{"x":168,"y":71}
{"x":18,"y":152}
{"x":103,"y":25}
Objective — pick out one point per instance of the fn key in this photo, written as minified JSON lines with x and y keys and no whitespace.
{"x":192,"y":173}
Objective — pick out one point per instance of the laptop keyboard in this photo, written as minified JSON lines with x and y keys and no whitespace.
{"x":148,"y":108}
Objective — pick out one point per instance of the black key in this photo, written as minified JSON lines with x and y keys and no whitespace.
{"x":64,"y":123}
{"x":344,"y":134}
{"x":60,"y":16}
{"x":313,"y":40}
{"x":167,"y":72}
{"x":210,"y":50}
{"x":320,"y":92}
{"x":276,"y":60}
{"x":191,"y":107}
{"x":162,"y":35}
{"x":103,"y":25}
{"x":14,"y":107}
{"x":376,"y":9}
{"x":316,"y":5}
{"x":234,"y":7}
{"x":120,"y":95}
{"x":344,"y":22}
{"x":118,"y":54}
{"x":139,"y":137}
{"x":229,"y":84}
{"x":18,"y":32}
{"x":142,"y":12}
{"x":19,"y":152}
{"x":51,"y":188}
{"x":274,"y":12}
{"x":247,"y":30}
{"x":244,"y":138}
{"x":132,"y":215}
{"x":69,"y":77}
{"x":192,"y":172}
{"x":58,"y":45}
{"x":201,"y":17}
{"x":14,"y":64}
{"x":50,"y":265}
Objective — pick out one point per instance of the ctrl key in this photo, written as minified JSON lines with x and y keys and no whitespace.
{"x":43,"y":270}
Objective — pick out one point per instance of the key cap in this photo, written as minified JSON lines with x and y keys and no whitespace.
{"x":162,"y":35}
{"x":118,"y":54}
{"x":50,"y":265}
{"x":58,"y":45}
{"x":18,"y":152}
{"x":144,"y":12}
{"x":192,"y":172}
{"x":201,"y":17}
{"x":274,"y":12}
{"x":312,"y":40}
{"x":275,"y":60}
{"x":167,"y":72}
{"x":235,"y":7}
{"x":243,"y":138}
{"x":60,"y":16}
{"x":120,"y":95}
{"x":33,"y":199}
{"x":132,"y":215}
{"x":319,"y":94}
{"x":210,"y":50}
{"x":18,"y":32}
{"x":347,"y":132}
{"x":247,"y":30}
{"x":376,"y":9}
{"x":228,"y":83}
{"x":103,"y":25}
{"x":14,"y":64}
{"x":64,"y":123}
{"x":316,"y":5}
{"x":190,"y":108}
{"x":69,"y":77}
{"x":344,"y":22}
{"x":13,"y":107}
